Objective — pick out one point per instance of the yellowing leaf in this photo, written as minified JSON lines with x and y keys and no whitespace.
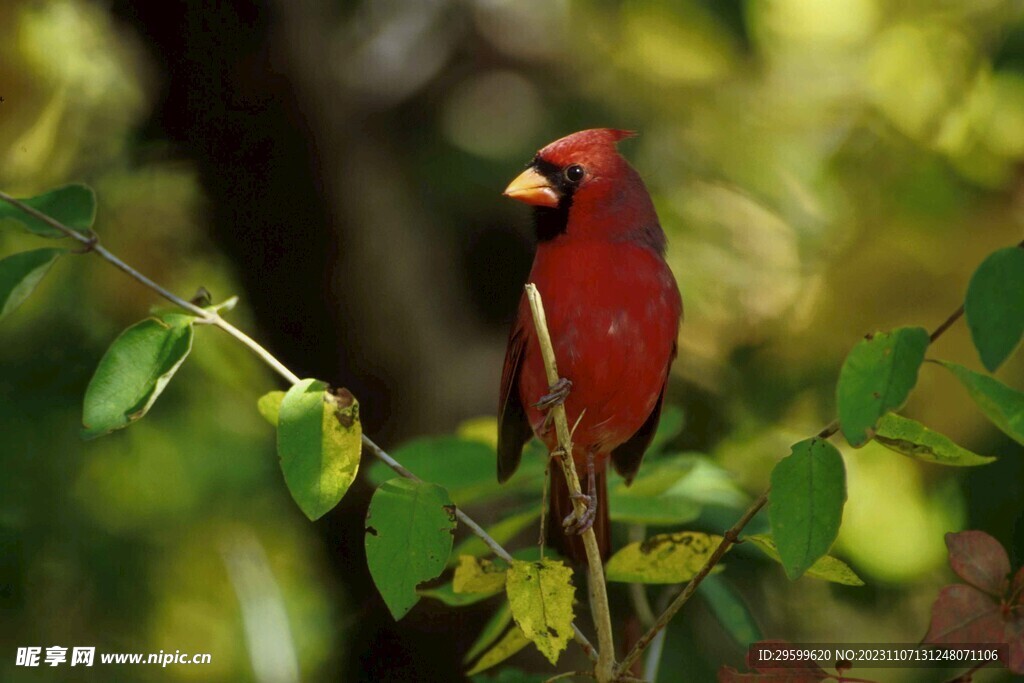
{"x":540,"y":595}
{"x":512,"y":642}
{"x":665,"y":558}
{"x":269,"y":406}
{"x":827,"y":568}
{"x":475,"y":575}
{"x":483,"y":429}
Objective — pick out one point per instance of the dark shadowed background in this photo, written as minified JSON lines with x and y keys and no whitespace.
{"x":822,"y":169}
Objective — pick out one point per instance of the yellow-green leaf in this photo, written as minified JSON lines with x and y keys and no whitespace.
{"x":476,"y":575}
{"x":913,"y":439}
{"x":665,"y":558}
{"x":319,"y":439}
{"x":512,"y":642}
{"x":540,"y":595}
{"x":827,"y":568}
{"x":494,"y":627}
{"x":269,"y":406}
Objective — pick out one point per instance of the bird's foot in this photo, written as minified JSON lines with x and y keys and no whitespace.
{"x":577,"y":524}
{"x":558,"y":392}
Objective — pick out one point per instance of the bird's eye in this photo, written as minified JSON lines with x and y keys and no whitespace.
{"x":574,"y":173}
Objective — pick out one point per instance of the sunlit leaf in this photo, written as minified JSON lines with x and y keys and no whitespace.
{"x":269,"y":406}
{"x":730,"y":610}
{"x":827,"y":568}
{"x":502,"y":532}
{"x":912,"y":438}
{"x":808,"y":490}
{"x":877,"y":377}
{"x":20,"y":273}
{"x":980,"y":560}
{"x":476,"y":575}
{"x":72,"y":205}
{"x":665,"y":558}
{"x":319,"y":439}
{"x":409,"y":529}
{"x":994,"y":306}
{"x":494,"y":627}
{"x":1001,"y":404}
{"x":540,"y":595}
{"x":134,"y":371}
{"x":483,"y":429}
{"x":512,"y":642}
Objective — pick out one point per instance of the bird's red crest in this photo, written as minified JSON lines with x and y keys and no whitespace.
{"x":592,"y":142}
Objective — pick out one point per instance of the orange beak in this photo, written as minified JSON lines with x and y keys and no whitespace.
{"x":532,"y":188}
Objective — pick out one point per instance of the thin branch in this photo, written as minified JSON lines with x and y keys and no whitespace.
{"x":605,"y":669}
{"x":732,"y":535}
{"x":92,"y":245}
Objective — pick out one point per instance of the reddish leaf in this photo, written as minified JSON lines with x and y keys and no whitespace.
{"x":1014,"y":635}
{"x":980,"y":560}
{"x":1017,"y":588}
{"x":963,"y":614}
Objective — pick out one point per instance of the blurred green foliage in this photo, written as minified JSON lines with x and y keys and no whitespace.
{"x":823,"y":169}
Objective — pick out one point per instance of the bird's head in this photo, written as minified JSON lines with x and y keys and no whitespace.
{"x":581,"y":184}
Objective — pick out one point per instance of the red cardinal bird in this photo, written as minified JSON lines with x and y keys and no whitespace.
{"x":613,"y":309}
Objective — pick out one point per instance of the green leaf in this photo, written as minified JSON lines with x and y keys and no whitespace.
{"x":319,"y":439}
{"x":730,"y":610}
{"x":134,"y":371}
{"x":912,"y":438}
{"x":72,"y":205}
{"x":269,"y":406}
{"x":512,"y":642}
{"x":877,"y":377}
{"x":1001,"y":404}
{"x":446,"y":594}
{"x":476,"y":575}
{"x":808,"y":489}
{"x":20,"y":273}
{"x":464,"y":467}
{"x":502,"y":532}
{"x":827,"y":568}
{"x":409,"y":529}
{"x":665,"y":558}
{"x":994,"y":306}
{"x":540,"y":595}
{"x":669,"y":427}
{"x":494,"y":627}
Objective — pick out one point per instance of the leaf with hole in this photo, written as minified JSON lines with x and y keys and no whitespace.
{"x":409,"y":529}
{"x":877,"y":377}
{"x":808,"y":490}
{"x":665,"y":558}
{"x":134,"y":371}
{"x":1003,"y":406}
{"x":72,"y":205}
{"x":319,"y":440}
{"x":994,"y":306}
{"x":540,"y":595}
{"x":20,"y":273}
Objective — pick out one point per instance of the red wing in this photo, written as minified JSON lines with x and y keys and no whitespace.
{"x":513,"y":426}
{"x":628,"y":456}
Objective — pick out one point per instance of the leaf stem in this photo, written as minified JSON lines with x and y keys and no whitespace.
{"x":92,"y":244}
{"x":732,"y":535}
{"x":604,"y":671}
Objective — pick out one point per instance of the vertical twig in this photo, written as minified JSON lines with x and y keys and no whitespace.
{"x":605,"y":668}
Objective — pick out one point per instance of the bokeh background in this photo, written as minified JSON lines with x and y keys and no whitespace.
{"x":822,"y":169}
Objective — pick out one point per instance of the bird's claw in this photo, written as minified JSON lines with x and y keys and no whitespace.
{"x":558,"y":392}
{"x":578,"y":524}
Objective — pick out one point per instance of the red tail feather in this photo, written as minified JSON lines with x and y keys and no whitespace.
{"x":571,"y":545}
